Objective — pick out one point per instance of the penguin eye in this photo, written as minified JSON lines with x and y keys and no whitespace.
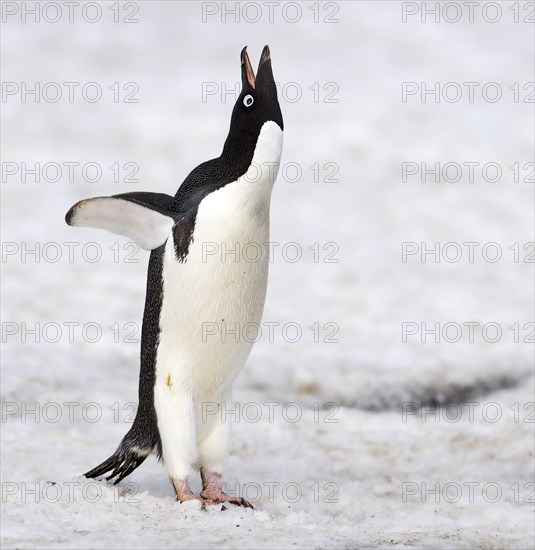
{"x":248,"y":100}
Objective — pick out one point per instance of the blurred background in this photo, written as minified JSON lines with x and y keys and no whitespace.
{"x":132,"y":96}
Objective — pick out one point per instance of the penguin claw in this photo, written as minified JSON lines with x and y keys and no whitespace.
{"x":206,"y":503}
{"x":225,"y":499}
{"x":245,"y":503}
{"x":212,"y":492}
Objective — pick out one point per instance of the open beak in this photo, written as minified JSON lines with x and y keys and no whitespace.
{"x":266,"y":56}
{"x":247,"y":69}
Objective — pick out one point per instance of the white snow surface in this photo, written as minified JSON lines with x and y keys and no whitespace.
{"x":359,"y":480}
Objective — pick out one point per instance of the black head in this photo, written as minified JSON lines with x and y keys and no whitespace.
{"x":256,"y":105}
{"x":257,"y":102}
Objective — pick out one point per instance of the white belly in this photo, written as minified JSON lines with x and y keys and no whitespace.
{"x":206,"y":297}
{"x":213,"y":301}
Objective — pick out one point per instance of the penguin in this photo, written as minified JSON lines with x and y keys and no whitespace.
{"x":222,"y":204}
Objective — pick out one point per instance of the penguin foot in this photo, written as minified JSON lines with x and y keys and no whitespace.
{"x":182,"y":490}
{"x":212,"y":493}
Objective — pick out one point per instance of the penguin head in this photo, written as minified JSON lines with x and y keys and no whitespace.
{"x":257,"y":102}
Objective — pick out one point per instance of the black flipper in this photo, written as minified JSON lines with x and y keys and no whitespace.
{"x":143,"y":217}
{"x":159,"y":201}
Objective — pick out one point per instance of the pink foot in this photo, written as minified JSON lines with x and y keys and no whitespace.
{"x":182,"y":490}
{"x":212,"y":494}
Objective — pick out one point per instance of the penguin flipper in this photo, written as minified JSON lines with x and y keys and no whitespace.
{"x":143,"y":217}
{"x":158,"y":201}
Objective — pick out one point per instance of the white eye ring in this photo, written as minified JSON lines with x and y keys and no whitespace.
{"x":248,"y":100}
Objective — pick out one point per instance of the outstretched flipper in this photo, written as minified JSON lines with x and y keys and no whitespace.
{"x":143,"y":217}
{"x":158,"y":201}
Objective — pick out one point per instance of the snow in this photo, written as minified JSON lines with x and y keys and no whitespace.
{"x":346,"y":475}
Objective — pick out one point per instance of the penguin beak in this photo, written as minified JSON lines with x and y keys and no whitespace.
{"x":248,"y":76}
{"x":247,"y":73}
{"x":265,"y":57}
{"x":264,"y":81}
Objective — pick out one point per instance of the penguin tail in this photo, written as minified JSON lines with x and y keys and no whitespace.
{"x":122,"y":462}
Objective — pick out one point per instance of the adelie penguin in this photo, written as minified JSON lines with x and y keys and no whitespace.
{"x":225,"y":202}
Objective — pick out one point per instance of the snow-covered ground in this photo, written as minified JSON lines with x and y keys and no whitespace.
{"x":362,"y":466}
